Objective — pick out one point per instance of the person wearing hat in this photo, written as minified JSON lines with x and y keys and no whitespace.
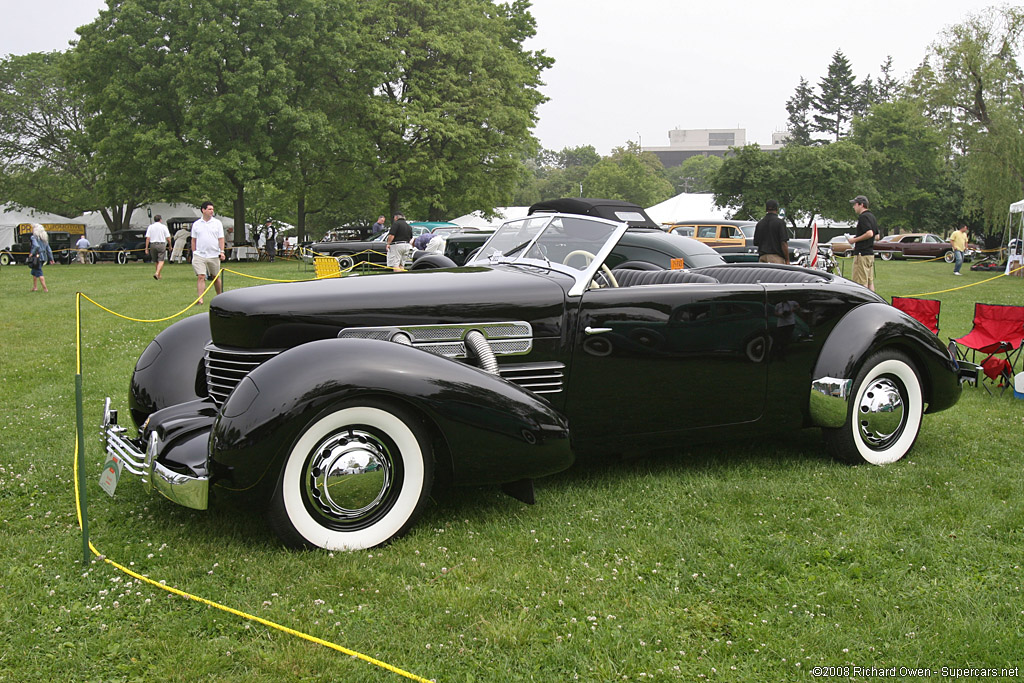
{"x":864,"y":243}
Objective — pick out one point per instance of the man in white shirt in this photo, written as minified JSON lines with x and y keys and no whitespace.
{"x":157,"y":236}
{"x":207,"y":250}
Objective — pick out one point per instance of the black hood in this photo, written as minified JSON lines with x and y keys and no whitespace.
{"x":285,"y":315}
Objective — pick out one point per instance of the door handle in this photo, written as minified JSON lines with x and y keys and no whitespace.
{"x":596,"y":330}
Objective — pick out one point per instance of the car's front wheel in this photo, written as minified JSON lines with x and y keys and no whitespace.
{"x":5,"y":259}
{"x":356,"y":478}
{"x":122,"y":257}
{"x":884,"y":414}
{"x":345,"y":261}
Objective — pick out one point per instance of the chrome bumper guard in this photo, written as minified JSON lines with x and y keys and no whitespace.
{"x":830,"y":398}
{"x":968,"y":372}
{"x":191,"y":492}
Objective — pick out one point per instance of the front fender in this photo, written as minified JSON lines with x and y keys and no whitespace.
{"x":170,"y":370}
{"x":494,"y":430}
{"x":873,"y":326}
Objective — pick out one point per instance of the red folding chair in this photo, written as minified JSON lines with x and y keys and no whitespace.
{"x":925,"y":311}
{"x":997,"y":329}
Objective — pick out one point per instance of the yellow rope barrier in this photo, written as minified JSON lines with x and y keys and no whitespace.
{"x":177,"y":591}
{"x":972,"y":284}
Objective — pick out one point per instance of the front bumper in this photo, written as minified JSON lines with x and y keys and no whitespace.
{"x":141,"y":458}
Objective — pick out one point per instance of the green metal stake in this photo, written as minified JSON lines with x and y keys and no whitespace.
{"x":83,"y":509}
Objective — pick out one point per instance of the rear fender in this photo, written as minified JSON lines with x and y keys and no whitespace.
{"x":873,"y":326}
{"x":495,"y":431}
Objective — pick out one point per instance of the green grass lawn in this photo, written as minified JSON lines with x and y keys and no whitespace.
{"x":741,"y":561}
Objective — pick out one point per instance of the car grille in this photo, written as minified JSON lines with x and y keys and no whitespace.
{"x":225,"y":368}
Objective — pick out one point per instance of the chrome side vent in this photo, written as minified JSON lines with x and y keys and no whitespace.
{"x":504,"y":338}
{"x":540,"y":378}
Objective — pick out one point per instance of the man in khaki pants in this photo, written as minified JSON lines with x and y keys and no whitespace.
{"x":864,"y":243}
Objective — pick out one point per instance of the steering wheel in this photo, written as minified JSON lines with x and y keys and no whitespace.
{"x":605,"y":271}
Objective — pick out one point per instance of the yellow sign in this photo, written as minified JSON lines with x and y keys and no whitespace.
{"x":677,"y":264}
{"x":73,"y":228}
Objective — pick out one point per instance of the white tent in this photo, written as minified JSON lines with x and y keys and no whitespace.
{"x":96,"y":227}
{"x":687,"y":207}
{"x":504,"y":213}
{"x":11,"y":218}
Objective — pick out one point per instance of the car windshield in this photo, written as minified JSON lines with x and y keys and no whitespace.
{"x":572,"y":241}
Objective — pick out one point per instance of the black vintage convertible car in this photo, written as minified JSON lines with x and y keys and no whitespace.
{"x":335,"y":405}
{"x":123,"y":246}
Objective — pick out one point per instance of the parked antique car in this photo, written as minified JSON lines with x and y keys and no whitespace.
{"x":919,"y":245}
{"x":734,"y":240}
{"x":62,"y":244}
{"x":335,"y":405}
{"x":353,"y":252}
{"x":123,"y":246}
{"x":841,"y":245}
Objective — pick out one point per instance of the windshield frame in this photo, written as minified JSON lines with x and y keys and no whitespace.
{"x":524,"y":253}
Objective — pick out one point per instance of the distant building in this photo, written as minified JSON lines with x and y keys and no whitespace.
{"x":683,"y":144}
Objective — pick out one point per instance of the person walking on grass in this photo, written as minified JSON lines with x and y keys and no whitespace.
{"x":207,"y":250}
{"x":958,"y":240}
{"x":39,"y":254}
{"x":157,"y":236}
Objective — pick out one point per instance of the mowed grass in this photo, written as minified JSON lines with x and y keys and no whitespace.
{"x":752,"y":561}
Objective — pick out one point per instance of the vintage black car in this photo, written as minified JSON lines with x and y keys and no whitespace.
{"x":335,"y":405}
{"x":62,"y":244}
{"x":123,"y":246}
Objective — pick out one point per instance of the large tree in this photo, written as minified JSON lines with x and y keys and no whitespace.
{"x":47,"y":158}
{"x":806,"y":181}
{"x":450,"y":115}
{"x":908,"y":164}
{"x":631,"y":175}
{"x":972,"y":83}
{"x":695,"y":174}
{"x":799,"y":107}
{"x":839,"y":99}
{"x":206,"y":96}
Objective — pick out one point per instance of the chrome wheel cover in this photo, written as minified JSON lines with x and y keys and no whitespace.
{"x":349,"y":478}
{"x":881,"y":413}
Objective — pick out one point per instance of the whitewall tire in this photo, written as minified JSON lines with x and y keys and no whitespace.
{"x":357,"y":477}
{"x":884,"y":415}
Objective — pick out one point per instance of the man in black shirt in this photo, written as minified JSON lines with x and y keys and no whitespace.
{"x":864,"y":243}
{"x":398,"y":241}
{"x":771,"y":236}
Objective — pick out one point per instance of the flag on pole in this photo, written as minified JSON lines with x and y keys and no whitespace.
{"x":814,"y":245}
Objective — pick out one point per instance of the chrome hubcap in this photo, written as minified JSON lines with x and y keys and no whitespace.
{"x":348,"y":475}
{"x":881,"y":413}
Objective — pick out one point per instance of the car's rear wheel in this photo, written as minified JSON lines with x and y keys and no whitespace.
{"x":884,"y":414}
{"x":90,"y":257}
{"x":5,"y":259}
{"x":886,"y":255}
{"x":356,"y":478}
{"x":948,"y":257}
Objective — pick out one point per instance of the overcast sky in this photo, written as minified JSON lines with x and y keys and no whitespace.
{"x":634,"y":69}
